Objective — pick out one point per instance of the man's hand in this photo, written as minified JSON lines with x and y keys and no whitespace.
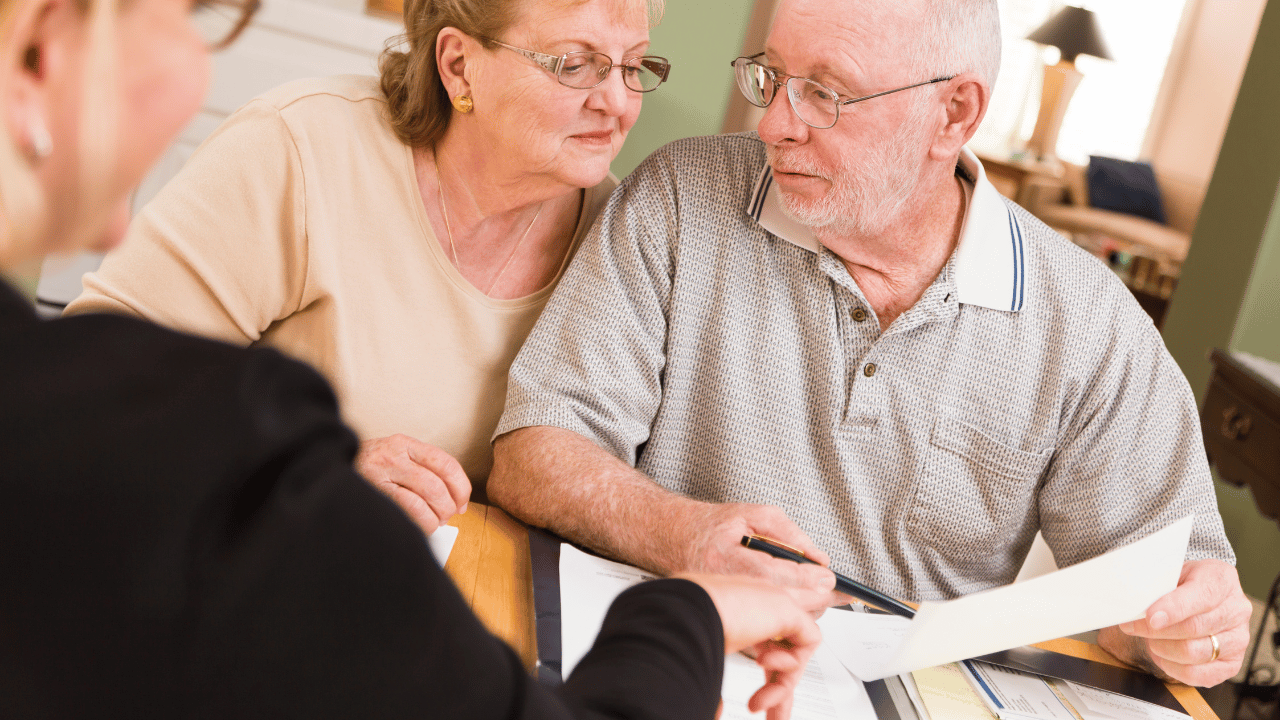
{"x":775,"y":623}
{"x":1175,"y":637}
{"x":425,"y":481}
{"x":714,"y":545}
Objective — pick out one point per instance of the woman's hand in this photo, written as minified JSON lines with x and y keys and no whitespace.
{"x":425,"y":481}
{"x":776,"y":623}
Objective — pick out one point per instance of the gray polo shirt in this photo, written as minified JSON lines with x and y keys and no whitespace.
{"x":714,"y":344}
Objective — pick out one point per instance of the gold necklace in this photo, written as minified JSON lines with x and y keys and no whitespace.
{"x":444,"y":212}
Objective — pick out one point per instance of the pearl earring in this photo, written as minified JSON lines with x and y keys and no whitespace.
{"x":40,"y":141}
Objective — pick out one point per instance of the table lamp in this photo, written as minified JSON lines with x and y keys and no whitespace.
{"x":1075,"y":32}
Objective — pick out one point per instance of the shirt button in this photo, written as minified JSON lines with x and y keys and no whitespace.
{"x":870,"y":369}
{"x":859,"y":315}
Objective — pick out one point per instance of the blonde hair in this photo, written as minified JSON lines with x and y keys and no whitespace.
{"x":417,"y":102}
{"x":23,"y":202}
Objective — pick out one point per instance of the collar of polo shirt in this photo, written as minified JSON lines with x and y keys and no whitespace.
{"x":989,"y":263}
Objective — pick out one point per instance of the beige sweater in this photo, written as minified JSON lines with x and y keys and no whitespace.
{"x":298,"y":224}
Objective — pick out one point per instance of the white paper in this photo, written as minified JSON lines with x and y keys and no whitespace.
{"x":441,"y":542}
{"x":1015,"y":694}
{"x":1107,"y":590}
{"x":864,"y":642}
{"x":588,"y":586}
{"x":1122,"y":707}
{"x":826,"y":692}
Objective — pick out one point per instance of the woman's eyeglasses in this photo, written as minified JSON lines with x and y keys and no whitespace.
{"x":815,"y":104}
{"x":220,"y":22}
{"x":585,"y":70}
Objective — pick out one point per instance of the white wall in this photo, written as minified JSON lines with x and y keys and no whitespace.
{"x":1202,"y":89}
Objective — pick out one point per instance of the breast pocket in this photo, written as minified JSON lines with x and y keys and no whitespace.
{"x":975,"y":494}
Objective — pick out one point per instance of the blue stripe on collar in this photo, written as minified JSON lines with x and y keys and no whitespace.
{"x":991,"y":260}
{"x":761,"y":192}
{"x":1019,"y":276}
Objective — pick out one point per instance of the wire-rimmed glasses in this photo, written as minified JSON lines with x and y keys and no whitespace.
{"x":584,"y":69}
{"x":817,"y":105}
{"x":219,"y":22}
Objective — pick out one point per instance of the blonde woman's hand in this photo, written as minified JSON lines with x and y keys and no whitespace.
{"x":425,"y":481}
{"x":774,"y":622}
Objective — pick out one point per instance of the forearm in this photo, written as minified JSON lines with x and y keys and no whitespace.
{"x":559,"y":480}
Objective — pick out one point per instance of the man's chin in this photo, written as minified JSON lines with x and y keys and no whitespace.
{"x":806,"y":211}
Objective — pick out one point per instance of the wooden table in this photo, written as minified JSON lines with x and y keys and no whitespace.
{"x":490,"y":566}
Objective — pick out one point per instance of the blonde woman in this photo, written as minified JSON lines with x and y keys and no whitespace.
{"x":402,"y":234}
{"x":181,"y":530}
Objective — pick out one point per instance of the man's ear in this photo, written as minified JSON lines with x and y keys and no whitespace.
{"x":967,"y":98}
{"x":453,"y":48}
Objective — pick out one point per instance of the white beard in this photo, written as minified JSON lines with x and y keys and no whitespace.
{"x":867,"y":193}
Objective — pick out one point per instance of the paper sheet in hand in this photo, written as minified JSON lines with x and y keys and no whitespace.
{"x":1110,"y":589}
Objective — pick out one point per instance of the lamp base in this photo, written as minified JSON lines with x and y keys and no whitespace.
{"x":1060,"y":83}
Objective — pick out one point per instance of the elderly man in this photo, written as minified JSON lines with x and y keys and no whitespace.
{"x":840,"y":323}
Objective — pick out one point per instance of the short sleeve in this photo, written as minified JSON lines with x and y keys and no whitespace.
{"x":1131,"y":459}
{"x":221,"y":250}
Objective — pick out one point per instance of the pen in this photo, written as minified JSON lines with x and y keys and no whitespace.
{"x":843,"y":584}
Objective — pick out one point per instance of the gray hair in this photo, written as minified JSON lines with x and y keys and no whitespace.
{"x":958,"y":36}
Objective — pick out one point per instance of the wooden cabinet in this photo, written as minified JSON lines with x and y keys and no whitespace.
{"x":1241,"y":424}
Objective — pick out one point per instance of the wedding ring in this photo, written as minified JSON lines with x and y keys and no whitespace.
{"x":1216,"y":647}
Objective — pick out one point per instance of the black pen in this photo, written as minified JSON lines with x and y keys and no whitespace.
{"x":843,"y":584}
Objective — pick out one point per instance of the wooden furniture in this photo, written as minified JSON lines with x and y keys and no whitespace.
{"x":385,"y":7}
{"x":1240,"y":420}
{"x":490,"y":566}
{"x":1241,"y":424}
{"x":1011,"y":177}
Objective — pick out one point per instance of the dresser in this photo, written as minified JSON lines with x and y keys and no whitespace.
{"x":1241,"y":423}
{"x":1240,"y":419}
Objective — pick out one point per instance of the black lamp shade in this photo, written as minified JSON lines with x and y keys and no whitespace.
{"x":1075,"y":32}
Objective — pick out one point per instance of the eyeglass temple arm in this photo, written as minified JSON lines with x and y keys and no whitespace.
{"x":890,"y":92}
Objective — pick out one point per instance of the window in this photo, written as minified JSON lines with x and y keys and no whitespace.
{"x":1112,"y":108}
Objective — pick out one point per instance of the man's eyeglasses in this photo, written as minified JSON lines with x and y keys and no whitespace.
{"x":815,"y":104}
{"x":219,"y":22}
{"x":585,"y":70}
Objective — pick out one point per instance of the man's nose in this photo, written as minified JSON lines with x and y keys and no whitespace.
{"x":780,"y":123}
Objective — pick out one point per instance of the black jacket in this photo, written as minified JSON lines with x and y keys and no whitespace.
{"x":182,"y":535}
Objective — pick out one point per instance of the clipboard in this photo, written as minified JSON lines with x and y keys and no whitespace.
{"x":888,"y":696}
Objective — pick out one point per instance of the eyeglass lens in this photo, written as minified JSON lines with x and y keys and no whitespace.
{"x":220,"y":21}
{"x":813,"y":103}
{"x":588,"y":69}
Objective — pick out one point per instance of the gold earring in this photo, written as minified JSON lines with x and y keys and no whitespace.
{"x":463,"y":104}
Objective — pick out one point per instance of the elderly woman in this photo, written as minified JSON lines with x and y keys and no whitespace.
{"x":402,"y":236}
{"x":192,"y":541}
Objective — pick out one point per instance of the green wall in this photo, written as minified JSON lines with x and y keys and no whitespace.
{"x":1227,"y":294}
{"x":699,"y":37}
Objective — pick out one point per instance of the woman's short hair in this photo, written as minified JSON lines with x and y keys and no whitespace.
{"x":417,"y":102}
